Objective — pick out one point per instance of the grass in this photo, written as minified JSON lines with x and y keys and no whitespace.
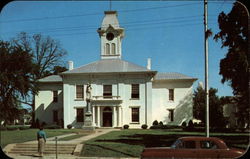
{"x":18,"y":136}
{"x":130,"y":143}
{"x":72,"y":137}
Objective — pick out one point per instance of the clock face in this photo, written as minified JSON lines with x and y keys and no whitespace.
{"x":110,"y":36}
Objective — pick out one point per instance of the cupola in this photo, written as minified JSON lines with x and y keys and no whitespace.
{"x":111,"y":36}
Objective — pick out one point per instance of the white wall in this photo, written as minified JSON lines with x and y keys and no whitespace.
{"x":182,"y":104}
{"x":153,"y":101}
{"x":44,"y":104}
{"x":121,"y":86}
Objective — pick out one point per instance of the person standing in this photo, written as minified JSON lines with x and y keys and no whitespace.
{"x":41,"y":138}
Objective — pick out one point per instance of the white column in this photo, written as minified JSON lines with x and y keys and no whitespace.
{"x":114,"y":117}
{"x":120,"y":116}
{"x":98,"y":116}
{"x":93,"y":115}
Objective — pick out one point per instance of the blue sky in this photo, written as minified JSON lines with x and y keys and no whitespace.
{"x":168,"y":32}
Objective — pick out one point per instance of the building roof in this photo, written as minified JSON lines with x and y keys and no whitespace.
{"x":108,"y":66}
{"x":158,"y":76}
{"x":52,"y":78}
{"x":172,"y":76}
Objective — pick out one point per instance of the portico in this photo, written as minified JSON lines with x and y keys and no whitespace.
{"x":107,"y":116}
{"x":107,"y":111}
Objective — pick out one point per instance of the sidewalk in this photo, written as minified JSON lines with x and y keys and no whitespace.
{"x":67,"y":157}
{"x":97,"y":132}
{"x":50,"y":140}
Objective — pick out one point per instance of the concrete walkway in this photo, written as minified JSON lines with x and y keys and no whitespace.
{"x":97,"y":133}
{"x":67,"y":157}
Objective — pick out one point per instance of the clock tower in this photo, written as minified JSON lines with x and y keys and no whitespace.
{"x":111,"y":36}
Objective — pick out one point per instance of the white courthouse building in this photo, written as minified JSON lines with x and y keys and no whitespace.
{"x":122,"y":92}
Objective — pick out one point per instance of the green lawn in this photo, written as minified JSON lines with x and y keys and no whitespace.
{"x":72,"y":137}
{"x":17,"y":136}
{"x":130,"y":143}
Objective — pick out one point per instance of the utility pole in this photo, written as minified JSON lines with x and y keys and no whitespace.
{"x":206,"y":68}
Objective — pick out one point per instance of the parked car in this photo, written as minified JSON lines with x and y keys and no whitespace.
{"x":193,"y":147}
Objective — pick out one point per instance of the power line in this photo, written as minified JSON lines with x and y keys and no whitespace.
{"x":97,"y":13}
{"x":134,"y":29}
{"x":142,"y":22}
{"x":126,"y":26}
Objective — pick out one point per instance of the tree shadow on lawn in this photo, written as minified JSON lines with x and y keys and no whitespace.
{"x":231,"y":140}
{"x":145,"y":140}
{"x":155,"y":140}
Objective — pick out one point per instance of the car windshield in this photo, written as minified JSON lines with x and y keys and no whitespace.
{"x":176,"y":144}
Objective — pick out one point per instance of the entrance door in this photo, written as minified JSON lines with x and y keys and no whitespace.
{"x":107,"y":117}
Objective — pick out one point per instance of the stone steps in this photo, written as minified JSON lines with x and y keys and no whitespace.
{"x":27,"y":149}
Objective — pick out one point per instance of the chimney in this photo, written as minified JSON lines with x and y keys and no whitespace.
{"x":200,"y":84}
{"x":71,"y":65}
{"x":149,"y":64}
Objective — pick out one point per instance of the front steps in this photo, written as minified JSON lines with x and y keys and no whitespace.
{"x":32,"y":149}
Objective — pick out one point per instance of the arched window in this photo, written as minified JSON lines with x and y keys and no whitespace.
{"x":113,"y":48}
{"x":107,"y":49}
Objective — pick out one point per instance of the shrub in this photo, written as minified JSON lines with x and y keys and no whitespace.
{"x":165,"y":127}
{"x":196,"y":124}
{"x":157,"y":127}
{"x":184,"y":124}
{"x":12,"y":128}
{"x":69,"y":126}
{"x":52,"y":127}
{"x":190,"y":124}
{"x":125,"y":126}
{"x":155,"y":123}
{"x":144,"y":126}
{"x":160,"y":123}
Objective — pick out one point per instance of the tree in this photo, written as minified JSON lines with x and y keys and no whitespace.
{"x":47,"y":54}
{"x":16,"y":68}
{"x":234,"y":68}
{"x":56,"y":70}
{"x":215,"y":107}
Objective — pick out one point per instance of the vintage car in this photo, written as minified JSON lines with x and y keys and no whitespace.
{"x":193,"y":147}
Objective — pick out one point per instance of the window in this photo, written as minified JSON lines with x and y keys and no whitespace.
{"x":107,"y":49}
{"x":189,"y":144}
{"x":208,"y":145}
{"x":113,"y":48}
{"x":135,"y":91}
{"x":135,"y":114}
{"x":55,"y":96}
{"x":79,"y":91}
{"x":107,"y":91}
{"x":171,"y":95}
{"x":178,"y":144}
{"x":55,"y":116}
{"x":171,"y":114}
{"x":79,"y":115}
